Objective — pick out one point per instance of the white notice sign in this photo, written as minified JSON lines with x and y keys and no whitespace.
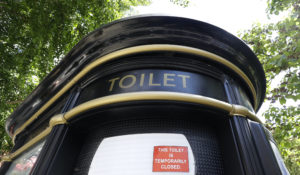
{"x":143,"y":154}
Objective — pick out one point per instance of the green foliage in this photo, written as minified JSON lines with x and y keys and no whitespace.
{"x":34,"y":36}
{"x":183,"y":3}
{"x":285,"y":124}
{"x":278,"y":48}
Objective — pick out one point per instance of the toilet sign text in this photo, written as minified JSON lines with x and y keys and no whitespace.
{"x":148,"y":80}
{"x":170,"y":159}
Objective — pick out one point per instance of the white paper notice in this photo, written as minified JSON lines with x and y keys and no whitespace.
{"x":135,"y":155}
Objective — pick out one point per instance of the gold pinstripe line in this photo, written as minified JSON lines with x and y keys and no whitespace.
{"x":134,"y":96}
{"x":138,"y":49}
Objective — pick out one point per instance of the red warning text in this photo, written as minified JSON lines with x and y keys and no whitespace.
{"x":170,"y":159}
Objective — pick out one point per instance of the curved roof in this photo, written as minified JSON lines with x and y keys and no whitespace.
{"x":141,"y":30}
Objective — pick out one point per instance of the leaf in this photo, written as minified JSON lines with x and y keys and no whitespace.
{"x":282,"y":101}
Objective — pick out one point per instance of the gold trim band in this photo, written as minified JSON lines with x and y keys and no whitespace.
{"x":139,"y":49}
{"x":135,"y":96}
{"x":55,"y":120}
{"x":147,"y":95}
{"x":162,"y":95}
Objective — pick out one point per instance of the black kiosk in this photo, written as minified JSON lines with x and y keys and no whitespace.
{"x":148,"y":95}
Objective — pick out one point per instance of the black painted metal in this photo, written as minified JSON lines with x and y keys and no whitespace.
{"x":265,"y":152}
{"x":154,"y":80}
{"x":57,"y":156}
{"x":139,"y":31}
{"x":4,"y":167}
{"x":251,"y":162}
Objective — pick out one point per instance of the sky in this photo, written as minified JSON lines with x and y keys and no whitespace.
{"x":230,"y":15}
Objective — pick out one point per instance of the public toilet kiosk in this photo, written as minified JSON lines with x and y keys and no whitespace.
{"x":147,"y":95}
